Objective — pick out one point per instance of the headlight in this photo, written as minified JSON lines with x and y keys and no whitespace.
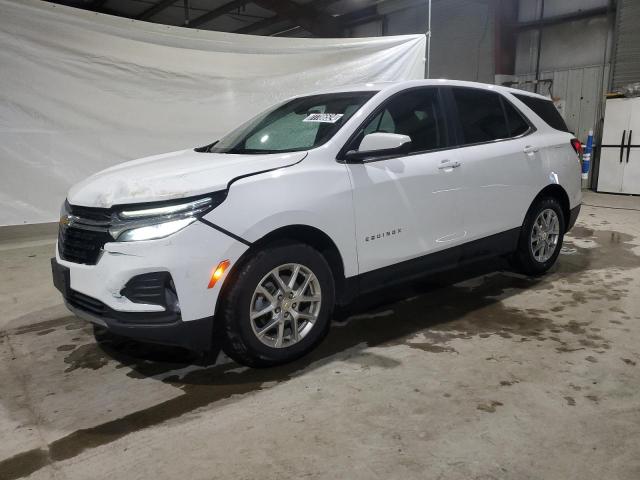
{"x":154,"y":231}
{"x":160,"y":220}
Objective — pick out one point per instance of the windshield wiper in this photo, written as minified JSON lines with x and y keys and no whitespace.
{"x":206,"y":148}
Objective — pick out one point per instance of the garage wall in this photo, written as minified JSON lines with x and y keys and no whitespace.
{"x":576,"y":55}
{"x":577,"y":43}
{"x":627,"y":44}
{"x":461,"y":48}
{"x":530,"y":9}
{"x":462,"y":41}
{"x":572,"y":44}
{"x":369,"y":29}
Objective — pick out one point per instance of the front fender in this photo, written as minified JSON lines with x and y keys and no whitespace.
{"x":315,"y":195}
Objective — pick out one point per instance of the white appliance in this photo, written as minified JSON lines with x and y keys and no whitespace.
{"x":620,"y":150}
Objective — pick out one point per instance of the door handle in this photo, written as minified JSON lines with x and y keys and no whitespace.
{"x":529,"y":149}
{"x":446,"y":164}
{"x":624,"y":134}
{"x":629,"y":145}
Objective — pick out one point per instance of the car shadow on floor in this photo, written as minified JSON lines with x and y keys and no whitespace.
{"x":459,"y":303}
{"x":384,"y":318}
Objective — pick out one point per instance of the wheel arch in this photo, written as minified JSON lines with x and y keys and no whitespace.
{"x":312,"y":236}
{"x":556,"y":191}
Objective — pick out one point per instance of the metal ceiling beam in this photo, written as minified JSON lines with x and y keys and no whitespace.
{"x":379,"y":11}
{"x":275,"y":20}
{"x":545,"y":22}
{"x":306,"y":16}
{"x":259,"y":25}
{"x":218,"y":12}
{"x":155,"y":9}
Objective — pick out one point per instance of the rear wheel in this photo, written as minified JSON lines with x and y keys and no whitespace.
{"x":541,"y":237}
{"x":278,"y":306}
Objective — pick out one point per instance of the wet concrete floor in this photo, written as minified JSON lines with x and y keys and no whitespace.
{"x":481,"y":373}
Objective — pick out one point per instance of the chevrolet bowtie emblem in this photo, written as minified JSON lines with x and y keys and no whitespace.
{"x":67,"y":220}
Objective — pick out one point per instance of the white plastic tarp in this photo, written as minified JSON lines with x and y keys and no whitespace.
{"x":81,"y":91}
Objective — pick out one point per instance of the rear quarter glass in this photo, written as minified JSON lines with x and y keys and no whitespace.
{"x":546,"y":110}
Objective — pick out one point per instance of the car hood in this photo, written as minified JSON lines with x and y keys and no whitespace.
{"x":170,"y":176}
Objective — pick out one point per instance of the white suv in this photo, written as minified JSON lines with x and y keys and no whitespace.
{"x":257,"y":236}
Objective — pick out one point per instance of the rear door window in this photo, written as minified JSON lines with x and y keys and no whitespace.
{"x":546,"y":110}
{"x":482,"y":118}
{"x":486,"y":116}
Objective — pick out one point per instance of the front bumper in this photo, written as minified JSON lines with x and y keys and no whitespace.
{"x":97,"y":292}
{"x":194,"y":335}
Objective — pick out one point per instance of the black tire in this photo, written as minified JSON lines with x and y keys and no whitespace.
{"x":238,"y":338}
{"x":524,"y":258}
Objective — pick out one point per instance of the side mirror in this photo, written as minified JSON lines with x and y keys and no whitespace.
{"x":380,"y":144}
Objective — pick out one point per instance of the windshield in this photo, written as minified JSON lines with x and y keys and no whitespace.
{"x":299,"y":124}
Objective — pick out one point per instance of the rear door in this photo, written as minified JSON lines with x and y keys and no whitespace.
{"x":408,"y":206}
{"x":499,"y":158}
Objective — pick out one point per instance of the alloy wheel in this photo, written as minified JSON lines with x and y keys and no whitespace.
{"x":544,"y":235}
{"x":285,"y":305}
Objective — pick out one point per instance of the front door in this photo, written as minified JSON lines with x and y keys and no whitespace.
{"x":407,"y":207}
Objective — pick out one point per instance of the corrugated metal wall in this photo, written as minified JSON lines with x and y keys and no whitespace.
{"x":462,"y":36}
{"x":626,"y":60}
{"x":463,"y":40}
{"x":583,"y":92}
{"x":569,"y":44}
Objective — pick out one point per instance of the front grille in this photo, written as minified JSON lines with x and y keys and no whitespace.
{"x":89,"y":304}
{"x":80,"y":240}
{"x":81,"y":246}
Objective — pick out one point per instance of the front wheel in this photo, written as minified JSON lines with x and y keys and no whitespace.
{"x":278,"y":305}
{"x":541,"y":237}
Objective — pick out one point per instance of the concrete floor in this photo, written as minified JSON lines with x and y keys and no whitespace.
{"x":476,"y":375}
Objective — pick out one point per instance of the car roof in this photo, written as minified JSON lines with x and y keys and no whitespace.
{"x":401,"y":85}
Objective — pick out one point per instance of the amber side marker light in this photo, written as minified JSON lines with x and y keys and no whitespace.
{"x":218,"y":272}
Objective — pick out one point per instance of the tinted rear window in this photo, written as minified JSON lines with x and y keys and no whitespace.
{"x":545,"y":110}
{"x":487,"y":116}
{"x":481,"y":115}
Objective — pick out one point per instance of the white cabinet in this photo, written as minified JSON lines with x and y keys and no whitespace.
{"x":620,"y":150}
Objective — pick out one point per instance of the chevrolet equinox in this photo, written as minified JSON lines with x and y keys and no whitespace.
{"x":257,"y":236}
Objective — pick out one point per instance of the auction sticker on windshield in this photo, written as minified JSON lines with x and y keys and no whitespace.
{"x":323,"y":117}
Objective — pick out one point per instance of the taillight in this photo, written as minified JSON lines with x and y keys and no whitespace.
{"x":577,"y":146}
